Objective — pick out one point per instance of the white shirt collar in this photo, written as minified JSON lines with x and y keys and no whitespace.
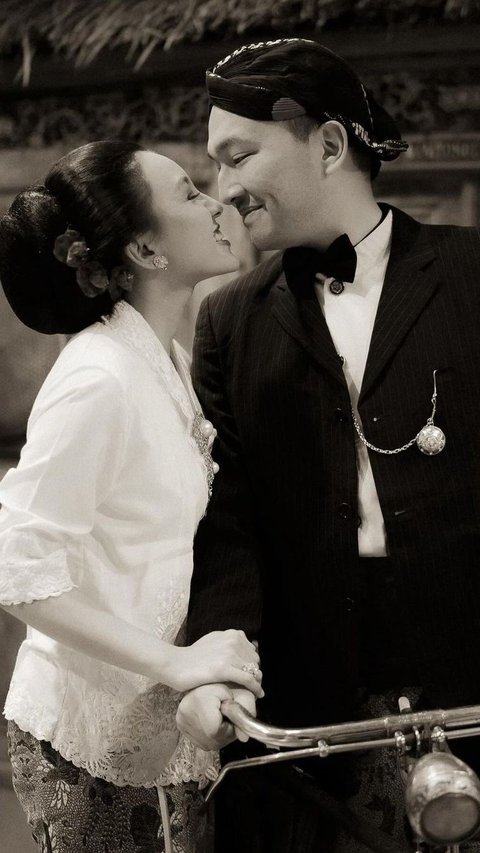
{"x":375,"y":247}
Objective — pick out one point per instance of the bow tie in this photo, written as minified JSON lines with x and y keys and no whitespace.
{"x":301,"y":264}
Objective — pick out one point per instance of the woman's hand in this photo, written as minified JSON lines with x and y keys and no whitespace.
{"x":221,"y":656}
{"x":73,"y":620}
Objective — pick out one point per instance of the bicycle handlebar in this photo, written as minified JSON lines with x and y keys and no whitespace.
{"x":438,"y":783}
{"x":349,"y":733}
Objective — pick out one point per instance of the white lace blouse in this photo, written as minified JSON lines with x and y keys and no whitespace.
{"x":106,"y":497}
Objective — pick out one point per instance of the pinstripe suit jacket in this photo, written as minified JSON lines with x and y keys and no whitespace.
{"x":277,"y":552}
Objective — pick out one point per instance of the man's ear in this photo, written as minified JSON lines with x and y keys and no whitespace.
{"x":334,"y":141}
{"x":141,"y":252}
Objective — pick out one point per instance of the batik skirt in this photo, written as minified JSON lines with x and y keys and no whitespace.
{"x":70,"y":811}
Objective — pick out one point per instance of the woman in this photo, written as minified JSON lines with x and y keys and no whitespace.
{"x":98,"y":518}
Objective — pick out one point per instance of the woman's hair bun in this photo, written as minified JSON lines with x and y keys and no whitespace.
{"x":98,"y":190}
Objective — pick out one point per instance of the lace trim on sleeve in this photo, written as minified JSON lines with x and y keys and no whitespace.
{"x":32,"y":580}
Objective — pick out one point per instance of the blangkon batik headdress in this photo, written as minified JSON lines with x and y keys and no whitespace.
{"x":288,"y":78}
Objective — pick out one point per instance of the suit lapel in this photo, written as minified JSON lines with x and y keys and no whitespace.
{"x":303,"y":320}
{"x":410,"y":281}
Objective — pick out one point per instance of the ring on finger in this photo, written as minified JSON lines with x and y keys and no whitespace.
{"x":252,"y":668}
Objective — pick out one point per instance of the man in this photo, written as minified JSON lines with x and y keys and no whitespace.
{"x":344,"y":529}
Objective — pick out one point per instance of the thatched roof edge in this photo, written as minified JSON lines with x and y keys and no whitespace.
{"x":83,"y":29}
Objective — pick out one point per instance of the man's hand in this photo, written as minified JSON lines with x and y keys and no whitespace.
{"x":199,"y":715}
{"x":248,"y":701}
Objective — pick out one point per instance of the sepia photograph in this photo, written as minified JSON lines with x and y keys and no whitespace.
{"x":239,"y":426}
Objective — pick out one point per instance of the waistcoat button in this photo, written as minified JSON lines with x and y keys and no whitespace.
{"x":345,"y":511}
{"x":340,"y":416}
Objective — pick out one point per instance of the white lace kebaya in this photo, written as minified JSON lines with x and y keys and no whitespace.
{"x":107,"y":497}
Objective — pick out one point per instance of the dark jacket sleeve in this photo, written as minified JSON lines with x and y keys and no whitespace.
{"x":226,"y":584}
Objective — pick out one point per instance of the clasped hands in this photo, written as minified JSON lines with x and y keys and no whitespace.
{"x":225,"y":666}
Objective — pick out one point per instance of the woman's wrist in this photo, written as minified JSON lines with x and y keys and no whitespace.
{"x":162,"y":664}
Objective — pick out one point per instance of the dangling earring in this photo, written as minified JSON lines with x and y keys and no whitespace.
{"x":160,"y":262}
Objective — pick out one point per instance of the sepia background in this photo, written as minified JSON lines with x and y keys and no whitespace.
{"x":76,"y":70}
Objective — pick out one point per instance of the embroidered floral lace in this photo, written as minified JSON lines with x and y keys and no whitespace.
{"x":52,"y":579}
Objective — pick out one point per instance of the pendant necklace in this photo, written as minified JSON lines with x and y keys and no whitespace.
{"x":430,"y":440}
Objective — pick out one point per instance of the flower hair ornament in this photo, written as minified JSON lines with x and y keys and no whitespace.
{"x":71,"y":249}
